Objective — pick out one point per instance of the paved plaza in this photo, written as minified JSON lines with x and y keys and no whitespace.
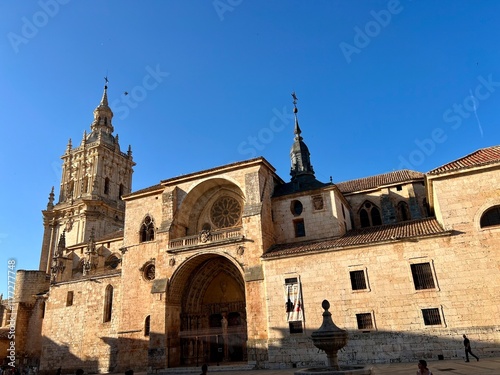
{"x":485,"y":366}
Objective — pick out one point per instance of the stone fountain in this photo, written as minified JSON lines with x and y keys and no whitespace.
{"x":331,"y":339}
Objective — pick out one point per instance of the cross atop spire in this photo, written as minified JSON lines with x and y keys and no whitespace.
{"x":296,"y":129}
{"x":299,"y":154}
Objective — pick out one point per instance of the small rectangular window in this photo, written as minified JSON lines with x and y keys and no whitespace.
{"x":300,"y":229}
{"x":358,"y":281}
{"x":295,"y":327}
{"x":422,"y":276}
{"x":364,"y":321}
{"x":69,"y":299}
{"x":399,"y":187}
{"x":431,"y":317}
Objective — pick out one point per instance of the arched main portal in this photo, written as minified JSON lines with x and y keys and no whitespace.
{"x":212,"y":324}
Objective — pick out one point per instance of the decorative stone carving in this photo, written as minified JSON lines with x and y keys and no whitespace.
{"x":205,"y":236}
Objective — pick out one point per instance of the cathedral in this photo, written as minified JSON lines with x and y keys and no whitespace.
{"x":230,"y":265}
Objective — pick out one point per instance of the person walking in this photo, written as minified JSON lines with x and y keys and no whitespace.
{"x":468,"y":350}
{"x":204,"y":369}
{"x":422,"y":368}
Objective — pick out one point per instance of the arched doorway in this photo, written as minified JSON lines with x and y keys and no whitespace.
{"x":212,"y":326}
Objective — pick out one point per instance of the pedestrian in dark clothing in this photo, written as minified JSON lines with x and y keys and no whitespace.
{"x":204,"y":369}
{"x":468,"y":350}
{"x":129,"y":372}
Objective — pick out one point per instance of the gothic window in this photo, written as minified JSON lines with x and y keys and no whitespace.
{"x":422,"y":276}
{"x":225,"y":212}
{"x":108,"y":304}
{"x":147,"y":232}
{"x":363,"y":217}
{"x":299,"y":227}
{"x":376,"y":218}
{"x":369,"y":215}
{"x":403,"y":211}
{"x":147,"y":325}
{"x":491,"y":217}
{"x":106,"y":185}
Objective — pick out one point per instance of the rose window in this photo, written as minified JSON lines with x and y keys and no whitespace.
{"x":225,"y":212}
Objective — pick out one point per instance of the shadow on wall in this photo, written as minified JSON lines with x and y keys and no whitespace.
{"x":100,"y":356}
{"x":293,"y":350}
{"x":379,"y":347}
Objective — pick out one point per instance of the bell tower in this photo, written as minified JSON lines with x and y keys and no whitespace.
{"x":95,"y":175}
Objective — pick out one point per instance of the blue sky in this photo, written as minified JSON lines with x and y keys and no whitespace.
{"x":382,"y":85}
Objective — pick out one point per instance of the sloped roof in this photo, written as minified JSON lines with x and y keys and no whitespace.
{"x":384,"y":179}
{"x":481,"y":157}
{"x":358,"y":237}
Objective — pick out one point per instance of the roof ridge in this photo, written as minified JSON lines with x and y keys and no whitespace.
{"x":448,"y":167}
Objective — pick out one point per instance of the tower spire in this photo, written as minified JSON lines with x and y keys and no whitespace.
{"x":296,"y":129}
{"x":103,"y":114}
{"x":299,"y":154}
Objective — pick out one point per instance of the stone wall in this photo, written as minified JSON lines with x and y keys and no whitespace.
{"x":463,"y":296}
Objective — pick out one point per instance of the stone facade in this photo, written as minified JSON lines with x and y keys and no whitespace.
{"x":231,"y":264}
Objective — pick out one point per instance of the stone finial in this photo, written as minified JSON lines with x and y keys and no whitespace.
{"x":50,"y":205}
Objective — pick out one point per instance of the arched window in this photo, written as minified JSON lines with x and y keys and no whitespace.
{"x":147,"y":232}
{"x":403,"y":211}
{"x":147,"y":325}
{"x":363,"y":217}
{"x":108,"y":304}
{"x":369,"y":215}
{"x":376,"y":218}
{"x":491,"y":217}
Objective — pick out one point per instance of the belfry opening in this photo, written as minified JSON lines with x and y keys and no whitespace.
{"x":212,"y":317}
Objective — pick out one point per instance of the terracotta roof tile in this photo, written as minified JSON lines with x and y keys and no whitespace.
{"x":358,"y":237}
{"x":384,"y":179}
{"x":478,"y":158}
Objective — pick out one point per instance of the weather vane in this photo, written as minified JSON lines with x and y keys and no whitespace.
{"x":106,"y":80}
{"x":295,"y":110}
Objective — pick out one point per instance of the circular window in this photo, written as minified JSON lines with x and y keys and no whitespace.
{"x":225,"y":212}
{"x":296,"y":208}
{"x":149,"y":272}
